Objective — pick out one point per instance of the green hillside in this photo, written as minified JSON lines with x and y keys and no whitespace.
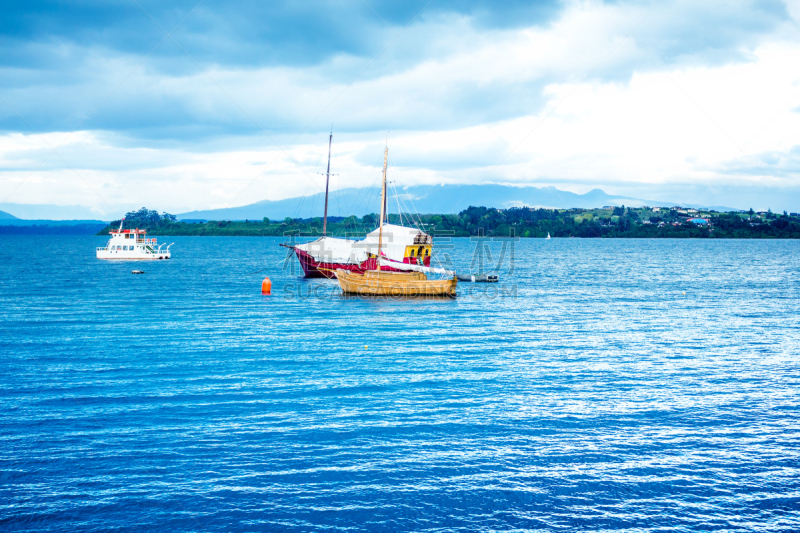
{"x":617,"y":222}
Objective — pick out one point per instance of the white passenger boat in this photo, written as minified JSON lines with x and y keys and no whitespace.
{"x":132,"y":244}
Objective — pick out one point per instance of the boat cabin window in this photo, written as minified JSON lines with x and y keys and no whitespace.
{"x":412,"y":253}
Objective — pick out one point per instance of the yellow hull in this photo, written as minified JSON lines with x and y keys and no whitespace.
{"x":374,"y":283}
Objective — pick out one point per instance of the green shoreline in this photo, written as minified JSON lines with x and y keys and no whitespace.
{"x":619,"y":222}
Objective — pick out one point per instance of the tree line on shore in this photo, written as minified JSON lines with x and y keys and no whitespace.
{"x":619,"y":222}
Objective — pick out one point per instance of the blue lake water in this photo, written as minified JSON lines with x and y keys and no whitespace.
{"x":643,"y":385}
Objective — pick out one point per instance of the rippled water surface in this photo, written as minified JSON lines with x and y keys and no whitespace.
{"x":606,"y":385}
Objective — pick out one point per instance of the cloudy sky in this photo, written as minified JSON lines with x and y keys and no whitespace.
{"x":204,"y":104}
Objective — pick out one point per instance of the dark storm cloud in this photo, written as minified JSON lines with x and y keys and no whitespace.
{"x":234,"y":33}
{"x":85,"y":64}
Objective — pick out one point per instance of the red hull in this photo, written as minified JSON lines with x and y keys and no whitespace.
{"x":313,"y":269}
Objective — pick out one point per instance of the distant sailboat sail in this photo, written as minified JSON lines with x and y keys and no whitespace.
{"x":548,"y":234}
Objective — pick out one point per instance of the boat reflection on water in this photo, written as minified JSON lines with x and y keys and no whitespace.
{"x":397,"y":297}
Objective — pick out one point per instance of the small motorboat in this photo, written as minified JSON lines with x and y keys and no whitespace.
{"x":132,"y":244}
{"x":479,"y":278}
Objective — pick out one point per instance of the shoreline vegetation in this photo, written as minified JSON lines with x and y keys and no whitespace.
{"x":608,"y":222}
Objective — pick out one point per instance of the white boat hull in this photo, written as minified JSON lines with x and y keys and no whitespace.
{"x":131,"y":255}
{"x":132,"y":245}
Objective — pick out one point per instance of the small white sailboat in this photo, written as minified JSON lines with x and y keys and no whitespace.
{"x":548,"y":235}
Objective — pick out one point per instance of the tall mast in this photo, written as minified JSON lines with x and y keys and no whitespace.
{"x":327,"y":182}
{"x":383,"y":206}
{"x":385,"y":198}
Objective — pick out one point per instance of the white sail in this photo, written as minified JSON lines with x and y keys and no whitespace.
{"x":415,"y":268}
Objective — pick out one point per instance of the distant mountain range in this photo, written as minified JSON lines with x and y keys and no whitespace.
{"x":7,"y":219}
{"x":47,"y":212}
{"x":424,"y":199}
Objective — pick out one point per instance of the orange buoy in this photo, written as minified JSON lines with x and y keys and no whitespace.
{"x":266,"y":286}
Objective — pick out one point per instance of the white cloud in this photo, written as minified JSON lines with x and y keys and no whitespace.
{"x":637,"y":120}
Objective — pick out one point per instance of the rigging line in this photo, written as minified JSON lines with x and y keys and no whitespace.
{"x":418,"y":225}
{"x":419,"y":217}
{"x":376,"y":13}
{"x":485,"y":177}
{"x":98,"y":105}
{"x":366,"y":196}
{"x":299,"y":206}
{"x":418,"y":222}
{"x":359,"y":200}
{"x":397,"y":199}
{"x":410,"y":216}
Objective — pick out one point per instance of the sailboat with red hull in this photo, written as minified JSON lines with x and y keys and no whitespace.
{"x":392,"y":243}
